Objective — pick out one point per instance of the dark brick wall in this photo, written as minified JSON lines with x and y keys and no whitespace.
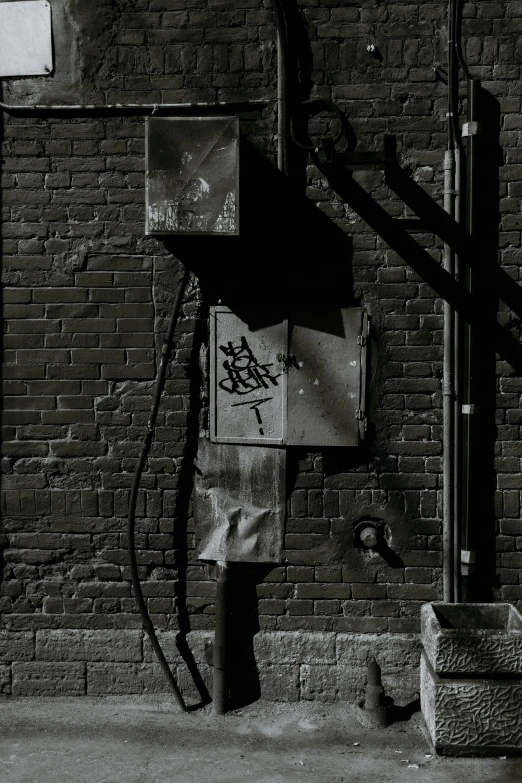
{"x":85,"y":294}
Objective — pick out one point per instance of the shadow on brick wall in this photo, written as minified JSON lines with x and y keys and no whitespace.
{"x":288,"y":252}
{"x":492,"y":284}
{"x":479,"y":308}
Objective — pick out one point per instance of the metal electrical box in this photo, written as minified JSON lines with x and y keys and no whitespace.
{"x":293,"y":377}
{"x":192,"y":175}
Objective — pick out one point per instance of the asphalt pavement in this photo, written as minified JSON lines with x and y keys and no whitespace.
{"x":147,"y":740}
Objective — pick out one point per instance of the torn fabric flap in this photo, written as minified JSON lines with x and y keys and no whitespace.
{"x":239,"y":502}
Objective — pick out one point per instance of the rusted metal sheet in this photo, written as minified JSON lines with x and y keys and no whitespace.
{"x":192,"y":175}
{"x":292,"y":377}
{"x":239,"y":503}
{"x":248,"y":382}
{"x":324,"y":377}
{"x":25,"y":38}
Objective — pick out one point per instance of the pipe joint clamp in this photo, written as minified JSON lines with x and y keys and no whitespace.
{"x":471,"y":129}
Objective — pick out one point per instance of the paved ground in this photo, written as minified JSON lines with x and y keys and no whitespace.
{"x":144,"y":740}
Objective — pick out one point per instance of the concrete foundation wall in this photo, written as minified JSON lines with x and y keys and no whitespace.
{"x":281,"y":666}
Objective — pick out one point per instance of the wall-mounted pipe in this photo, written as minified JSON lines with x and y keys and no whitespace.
{"x":132,"y":108}
{"x":219,"y":657}
{"x":457,"y":439}
{"x":448,"y":397}
{"x":472,"y":138}
{"x":449,"y":370}
{"x":282,"y":85}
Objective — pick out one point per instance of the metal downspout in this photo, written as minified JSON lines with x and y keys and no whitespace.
{"x":219,"y":653}
{"x":472,"y":136}
{"x":448,"y":381}
{"x":282,"y":86}
{"x":448,"y":398}
{"x":457,"y":435}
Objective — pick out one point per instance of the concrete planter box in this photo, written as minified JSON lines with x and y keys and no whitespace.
{"x":471,"y":678}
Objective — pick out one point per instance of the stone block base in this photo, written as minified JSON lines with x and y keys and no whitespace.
{"x":276,"y":666}
{"x":471,"y":717}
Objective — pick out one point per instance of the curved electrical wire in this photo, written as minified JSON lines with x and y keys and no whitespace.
{"x":457,"y":43}
{"x":131,"y":520}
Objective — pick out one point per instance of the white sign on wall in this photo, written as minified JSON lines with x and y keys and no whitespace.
{"x":25,"y":38}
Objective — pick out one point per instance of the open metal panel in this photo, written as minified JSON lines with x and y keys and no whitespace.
{"x":324,"y":377}
{"x":288,"y":377}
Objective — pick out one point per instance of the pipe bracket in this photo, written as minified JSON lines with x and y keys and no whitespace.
{"x":471,"y":129}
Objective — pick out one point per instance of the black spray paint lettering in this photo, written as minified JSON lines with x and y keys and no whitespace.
{"x":245,"y":373}
{"x":254,"y":406}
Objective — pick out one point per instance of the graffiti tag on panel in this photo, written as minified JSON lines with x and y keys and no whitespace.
{"x":246,"y":374}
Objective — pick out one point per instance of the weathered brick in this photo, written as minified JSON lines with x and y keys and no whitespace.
{"x":16,"y":646}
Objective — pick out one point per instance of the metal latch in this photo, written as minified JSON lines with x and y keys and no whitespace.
{"x":360,"y":414}
{"x":361,"y":339}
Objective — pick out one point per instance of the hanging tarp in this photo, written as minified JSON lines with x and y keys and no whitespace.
{"x":239,"y":503}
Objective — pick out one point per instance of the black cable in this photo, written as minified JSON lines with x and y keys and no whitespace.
{"x":457,"y":43}
{"x":136,"y":585}
{"x":335,"y":110}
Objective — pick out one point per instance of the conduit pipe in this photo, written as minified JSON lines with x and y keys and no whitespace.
{"x":448,"y":381}
{"x":472,"y":136}
{"x":135,"y":108}
{"x":219,"y":653}
{"x":282,"y":85}
{"x":448,"y":397}
{"x":457,"y":435}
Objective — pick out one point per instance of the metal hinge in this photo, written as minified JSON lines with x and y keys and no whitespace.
{"x":360,"y":414}
{"x":361,"y":339}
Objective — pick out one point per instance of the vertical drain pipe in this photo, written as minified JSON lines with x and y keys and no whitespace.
{"x":282,"y":85}
{"x":219,"y":655}
{"x":471,"y":132}
{"x":448,"y":380}
{"x":448,"y":398}
{"x":457,"y":442}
